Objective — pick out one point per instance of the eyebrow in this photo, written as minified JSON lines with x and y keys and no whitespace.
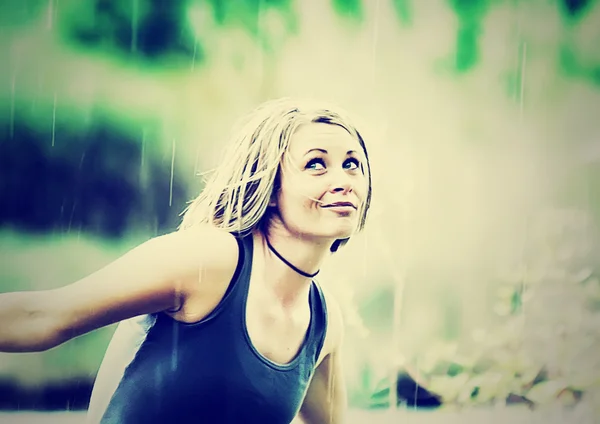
{"x":349,"y":152}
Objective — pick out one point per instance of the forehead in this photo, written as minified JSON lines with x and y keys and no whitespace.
{"x":323,"y":136}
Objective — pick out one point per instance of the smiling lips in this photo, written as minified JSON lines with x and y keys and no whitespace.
{"x":340,"y":206}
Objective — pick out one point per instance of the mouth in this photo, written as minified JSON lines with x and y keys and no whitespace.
{"x":340,"y":205}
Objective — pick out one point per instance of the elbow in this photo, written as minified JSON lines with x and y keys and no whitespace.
{"x":28,"y":340}
{"x":39,"y":336}
{"x":46,"y":333}
{"x":28,"y":327}
{"x":32,"y":345}
{"x":44,"y":337}
{"x":32,"y":336}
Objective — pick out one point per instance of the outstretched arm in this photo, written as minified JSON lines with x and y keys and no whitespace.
{"x":155,"y":276}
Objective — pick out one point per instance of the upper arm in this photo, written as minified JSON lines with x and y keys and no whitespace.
{"x":155,"y":276}
{"x":326,"y":398}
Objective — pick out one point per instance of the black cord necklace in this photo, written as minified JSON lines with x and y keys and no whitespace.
{"x":302,"y":273}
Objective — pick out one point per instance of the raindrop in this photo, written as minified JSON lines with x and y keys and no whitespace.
{"x":374,"y":46}
{"x":416,"y":386}
{"x":174,"y":352}
{"x":13,"y":83}
{"x":50,"y":14}
{"x":72,"y":215}
{"x":134,"y":25}
{"x":53,"y":120}
{"x":172,"y":174}
{"x":143,"y":149}
{"x":194,"y":54}
{"x":522,"y":66}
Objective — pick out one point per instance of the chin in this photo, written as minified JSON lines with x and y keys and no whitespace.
{"x":328,"y":235}
{"x":338,"y":229}
{"x":342,"y":232}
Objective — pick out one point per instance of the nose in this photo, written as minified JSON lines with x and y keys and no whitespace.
{"x":342,"y":184}
{"x":345,"y":189}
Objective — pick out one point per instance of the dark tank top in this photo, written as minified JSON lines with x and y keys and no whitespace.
{"x":159,"y":370}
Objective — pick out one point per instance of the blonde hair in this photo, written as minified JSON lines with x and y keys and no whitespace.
{"x":237,"y":194}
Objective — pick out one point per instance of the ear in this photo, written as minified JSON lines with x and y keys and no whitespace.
{"x":273,"y":200}
{"x":275,"y":190}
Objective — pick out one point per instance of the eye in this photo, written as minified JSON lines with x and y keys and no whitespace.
{"x":352,"y":164}
{"x":315,"y":164}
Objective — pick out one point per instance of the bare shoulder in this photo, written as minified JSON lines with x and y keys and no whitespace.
{"x":183,"y":254}
{"x":201,"y":248}
{"x":335,"y":324}
{"x":212,"y":258}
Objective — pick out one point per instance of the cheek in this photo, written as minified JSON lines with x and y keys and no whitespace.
{"x":299,"y":203}
{"x":361,"y":187}
{"x":293,"y":198}
{"x":305,"y":190}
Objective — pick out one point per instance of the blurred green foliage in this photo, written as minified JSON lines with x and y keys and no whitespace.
{"x":403,"y":11}
{"x":152,"y":31}
{"x":470,"y":15}
{"x":349,"y":8}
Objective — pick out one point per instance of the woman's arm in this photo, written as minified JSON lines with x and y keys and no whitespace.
{"x":156,"y":276}
{"x":326,"y":399}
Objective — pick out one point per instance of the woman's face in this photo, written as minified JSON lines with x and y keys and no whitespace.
{"x":323,"y":183}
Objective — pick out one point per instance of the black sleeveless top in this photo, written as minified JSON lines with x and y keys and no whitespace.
{"x":159,"y":370}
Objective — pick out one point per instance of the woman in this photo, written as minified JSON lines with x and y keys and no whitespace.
{"x":222,"y":321}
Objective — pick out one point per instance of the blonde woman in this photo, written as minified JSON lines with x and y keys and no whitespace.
{"x":222,"y":321}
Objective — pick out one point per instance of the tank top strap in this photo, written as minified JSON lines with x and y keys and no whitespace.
{"x":240,"y":282}
{"x":232,"y":302}
{"x":318,"y":310}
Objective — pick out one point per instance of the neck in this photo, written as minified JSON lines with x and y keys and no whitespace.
{"x":307,"y":256}
{"x":288,"y":263}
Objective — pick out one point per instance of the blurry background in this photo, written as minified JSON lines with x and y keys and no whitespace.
{"x":478,"y":273}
